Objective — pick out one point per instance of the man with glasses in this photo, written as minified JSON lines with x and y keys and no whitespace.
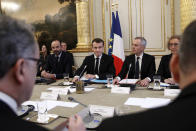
{"x":98,"y":65}
{"x":19,"y":55}
{"x":57,"y":63}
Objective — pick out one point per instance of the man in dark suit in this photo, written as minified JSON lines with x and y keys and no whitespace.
{"x":98,"y":65}
{"x":19,"y":55}
{"x":58,"y":63}
{"x":180,"y":114}
{"x":139,"y":65}
{"x":64,"y":48}
{"x":163,"y":70}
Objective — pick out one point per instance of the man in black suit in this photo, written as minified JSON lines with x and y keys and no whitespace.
{"x":163,"y":70}
{"x":180,"y":114}
{"x":58,"y":63}
{"x":64,"y":48}
{"x":19,"y":55}
{"x":139,"y":65}
{"x":98,"y":65}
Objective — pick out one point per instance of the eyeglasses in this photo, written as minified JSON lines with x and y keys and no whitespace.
{"x":173,"y":44}
{"x":38,"y":61}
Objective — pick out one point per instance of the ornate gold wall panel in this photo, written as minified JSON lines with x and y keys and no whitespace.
{"x":83,"y":26}
{"x":188,"y":12}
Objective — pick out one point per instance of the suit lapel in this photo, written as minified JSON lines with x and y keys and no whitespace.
{"x":101,"y":63}
{"x":143,"y":62}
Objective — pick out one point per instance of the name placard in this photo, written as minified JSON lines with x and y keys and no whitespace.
{"x":105,"y":111}
{"x":171,"y":92}
{"x":49,"y":96}
{"x":120,"y":90}
{"x":60,"y":91}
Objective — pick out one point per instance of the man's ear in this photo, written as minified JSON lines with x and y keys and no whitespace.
{"x":19,"y":71}
{"x":174,"y":67}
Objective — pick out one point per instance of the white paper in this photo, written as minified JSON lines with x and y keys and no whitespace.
{"x":135,"y":101}
{"x":72,"y":90}
{"x":128,"y":81}
{"x":49,"y":96}
{"x":105,"y":111}
{"x":155,"y":102}
{"x":147,"y":102}
{"x":120,"y":90}
{"x":164,"y":84}
{"x":51,"y":104}
{"x":171,"y":92}
{"x":67,"y":83}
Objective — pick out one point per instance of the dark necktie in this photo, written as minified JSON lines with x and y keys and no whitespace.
{"x":57,"y":59}
{"x":137,"y":68}
{"x":96,"y":66}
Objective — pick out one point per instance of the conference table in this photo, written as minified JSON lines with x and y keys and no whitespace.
{"x":99,"y":96}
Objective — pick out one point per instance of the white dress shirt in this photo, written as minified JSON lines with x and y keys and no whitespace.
{"x":9,"y":101}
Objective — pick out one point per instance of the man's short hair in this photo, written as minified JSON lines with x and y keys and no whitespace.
{"x":98,"y":40}
{"x":143,"y":40}
{"x":16,"y":41}
{"x":178,"y":37}
{"x":187,"y":51}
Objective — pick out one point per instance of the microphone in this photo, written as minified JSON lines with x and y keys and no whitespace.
{"x":129,"y":70}
{"x":82,"y":71}
{"x":72,"y":99}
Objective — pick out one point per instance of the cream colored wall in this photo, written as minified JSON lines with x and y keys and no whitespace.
{"x":148,"y":18}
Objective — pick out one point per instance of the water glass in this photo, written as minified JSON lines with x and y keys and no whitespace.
{"x":42,"y":112}
{"x":109,"y":79}
{"x":66,"y":77}
{"x":157,"y":81}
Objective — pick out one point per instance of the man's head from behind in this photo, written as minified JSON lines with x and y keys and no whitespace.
{"x":138,"y":46}
{"x":98,"y":46}
{"x":183,"y":64}
{"x":56,"y":47}
{"x":18,"y":56}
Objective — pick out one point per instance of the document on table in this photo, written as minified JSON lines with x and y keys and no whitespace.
{"x":128,"y":81}
{"x":147,"y":102}
{"x":51,"y":104}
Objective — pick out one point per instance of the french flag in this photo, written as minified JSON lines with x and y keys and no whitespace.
{"x":116,"y":48}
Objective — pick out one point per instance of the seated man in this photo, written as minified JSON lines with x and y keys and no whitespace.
{"x":163,"y":69}
{"x":64,"y":48}
{"x":58,"y":63}
{"x":139,"y":65}
{"x":98,"y":65}
{"x":19,"y":56}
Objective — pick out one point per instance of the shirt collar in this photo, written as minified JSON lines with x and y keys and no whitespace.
{"x":59,"y":54}
{"x":141,"y":55}
{"x":9,"y":101}
{"x":98,"y":57}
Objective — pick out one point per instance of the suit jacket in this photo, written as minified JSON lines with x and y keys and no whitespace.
{"x":180,"y":115}
{"x":10,"y":122}
{"x":71,"y":58}
{"x":148,"y":68}
{"x":163,"y":69}
{"x":59,"y":68}
{"x":106,"y":66}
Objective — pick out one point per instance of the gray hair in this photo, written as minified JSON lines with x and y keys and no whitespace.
{"x":143,"y":40}
{"x":16,"y":41}
{"x":187,"y":51}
